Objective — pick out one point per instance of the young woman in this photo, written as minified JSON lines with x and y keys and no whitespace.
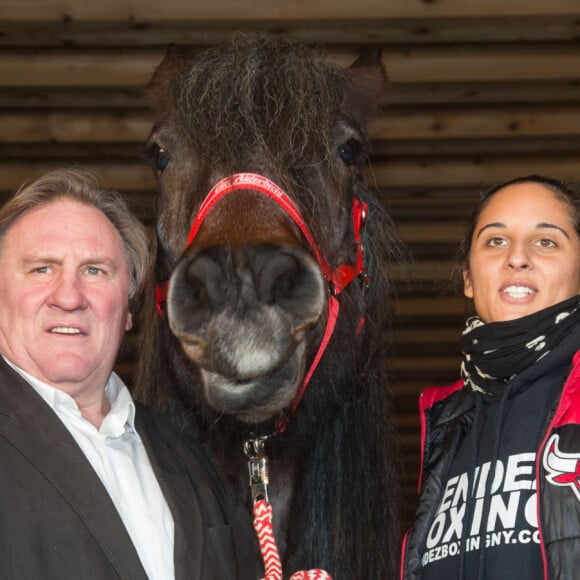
{"x":500,"y":476}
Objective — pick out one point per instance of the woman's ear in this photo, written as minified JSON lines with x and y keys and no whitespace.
{"x":467,"y":287}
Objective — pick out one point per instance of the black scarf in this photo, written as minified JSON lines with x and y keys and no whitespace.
{"x":495,"y":352}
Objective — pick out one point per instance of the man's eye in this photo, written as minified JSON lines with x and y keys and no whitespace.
{"x":42,"y":270}
{"x":94,"y":271}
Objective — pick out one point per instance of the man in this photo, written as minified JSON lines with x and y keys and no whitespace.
{"x":92,"y":485}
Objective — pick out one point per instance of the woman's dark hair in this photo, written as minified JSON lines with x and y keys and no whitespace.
{"x":568,"y":193}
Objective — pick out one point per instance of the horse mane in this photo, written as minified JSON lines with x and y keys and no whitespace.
{"x":346,"y":500}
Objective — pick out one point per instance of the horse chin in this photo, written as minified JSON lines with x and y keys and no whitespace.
{"x":259,"y":399}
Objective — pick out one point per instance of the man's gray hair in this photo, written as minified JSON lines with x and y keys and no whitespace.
{"x":85,"y":187}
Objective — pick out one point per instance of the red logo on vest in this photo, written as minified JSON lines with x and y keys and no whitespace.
{"x":562,"y":468}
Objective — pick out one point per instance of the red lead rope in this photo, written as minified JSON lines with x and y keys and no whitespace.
{"x":270,"y":555}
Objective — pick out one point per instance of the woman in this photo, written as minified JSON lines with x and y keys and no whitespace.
{"x":500,"y":475}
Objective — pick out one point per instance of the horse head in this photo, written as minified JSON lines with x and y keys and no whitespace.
{"x":258,"y":148}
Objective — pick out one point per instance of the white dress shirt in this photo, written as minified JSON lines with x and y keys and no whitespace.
{"x":119,"y":458}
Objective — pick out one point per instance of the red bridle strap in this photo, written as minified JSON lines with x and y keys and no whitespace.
{"x":262,"y":184}
{"x":338,"y":279}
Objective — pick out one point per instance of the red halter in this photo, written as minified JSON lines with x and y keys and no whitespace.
{"x":338,"y":279}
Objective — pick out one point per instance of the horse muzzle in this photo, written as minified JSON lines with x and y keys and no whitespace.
{"x":243,"y":315}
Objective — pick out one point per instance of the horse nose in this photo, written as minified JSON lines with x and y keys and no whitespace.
{"x":242,"y":312}
{"x":217,"y":278}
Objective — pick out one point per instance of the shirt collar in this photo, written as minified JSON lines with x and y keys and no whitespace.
{"x":119,"y":419}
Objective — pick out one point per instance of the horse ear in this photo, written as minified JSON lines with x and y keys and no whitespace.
{"x":160,"y":85}
{"x":366,"y":84}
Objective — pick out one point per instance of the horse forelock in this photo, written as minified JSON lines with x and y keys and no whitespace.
{"x":261,"y":99}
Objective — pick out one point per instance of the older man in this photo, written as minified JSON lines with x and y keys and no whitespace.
{"x":92,"y":485}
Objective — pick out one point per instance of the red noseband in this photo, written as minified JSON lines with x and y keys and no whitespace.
{"x":338,"y":279}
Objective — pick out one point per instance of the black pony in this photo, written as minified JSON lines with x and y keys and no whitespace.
{"x":278,"y":248}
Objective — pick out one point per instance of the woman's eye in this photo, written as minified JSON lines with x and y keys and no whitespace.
{"x":496,"y":242}
{"x":546,"y":243}
{"x":350,"y":152}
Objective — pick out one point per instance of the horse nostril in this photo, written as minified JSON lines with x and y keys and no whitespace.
{"x":278,"y":278}
{"x":196,"y":290}
{"x":288,"y":278}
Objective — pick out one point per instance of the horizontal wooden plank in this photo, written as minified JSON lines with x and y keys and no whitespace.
{"x":399,"y":363}
{"x":445,"y":65}
{"x":329,"y":30}
{"x":75,"y":68}
{"x":427,"y":336}
{"x":408,"y":420}
{"x":432,"y":271}
{"x":67,"y":98}
{"x":387,"y":175}
{"x":437,"y":231}
{"x":75,"y":127}
{"x":557,"y":92}
{"x":477,"y":123}
{"x":401,"y":124}
{"x":131,"y":68}
{"x":507,"y":91}
{"x":320,"y":32}
{"x":232,"y":10}
{"x":475,"y":172}
{"x":475,"y":146}
{"x":435,"y":306}
{"x":134,"y":178}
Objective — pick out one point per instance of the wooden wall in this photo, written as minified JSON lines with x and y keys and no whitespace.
{"x":480,"y":91}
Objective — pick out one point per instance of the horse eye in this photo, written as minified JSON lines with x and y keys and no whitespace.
{"x":158,"y":158}
{"x":350,"y":151}
{"x":161,"y":160}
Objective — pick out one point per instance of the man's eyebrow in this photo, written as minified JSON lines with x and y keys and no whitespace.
{"x":34,"y":258}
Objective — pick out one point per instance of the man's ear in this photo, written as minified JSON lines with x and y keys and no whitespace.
{"x":467,"y":287}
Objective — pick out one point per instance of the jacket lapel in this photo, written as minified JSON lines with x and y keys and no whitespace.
{"x":180,"y":494}
{"x":29,"y":424}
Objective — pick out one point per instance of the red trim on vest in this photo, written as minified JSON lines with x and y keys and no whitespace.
{"x":427,"y":399}
{"x":568,"y":411}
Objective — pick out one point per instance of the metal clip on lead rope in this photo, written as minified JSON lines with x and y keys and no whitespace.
{"x":257,"y":468}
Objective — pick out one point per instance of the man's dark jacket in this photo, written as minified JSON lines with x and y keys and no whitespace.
{"x":57,"y":521}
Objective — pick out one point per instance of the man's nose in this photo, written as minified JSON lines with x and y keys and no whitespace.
{"x":67,"y":292}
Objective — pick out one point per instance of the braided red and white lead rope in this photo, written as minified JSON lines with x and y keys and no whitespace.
{"x":272,"y":563}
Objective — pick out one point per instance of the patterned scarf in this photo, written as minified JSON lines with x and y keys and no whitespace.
{"x":493,"y":353}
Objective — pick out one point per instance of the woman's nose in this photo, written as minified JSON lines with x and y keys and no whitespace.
{"x":519,"y":257}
